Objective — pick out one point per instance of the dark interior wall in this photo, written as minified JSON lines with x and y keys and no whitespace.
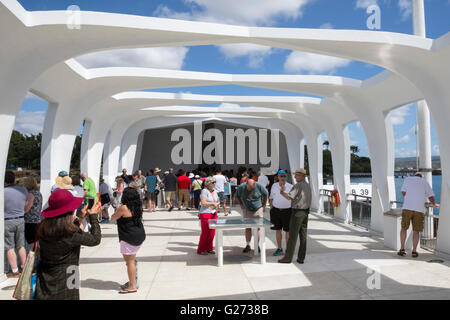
{"x":157,"y":147}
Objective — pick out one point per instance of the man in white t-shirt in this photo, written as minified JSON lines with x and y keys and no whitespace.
{"x":415,"y":191}
{"x":221,"y":182}
{"x":280,"y":209}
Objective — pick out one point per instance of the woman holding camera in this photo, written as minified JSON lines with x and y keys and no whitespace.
{"x":60,"y":239}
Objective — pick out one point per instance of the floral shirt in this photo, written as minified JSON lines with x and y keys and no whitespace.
{"x":34,"y":215}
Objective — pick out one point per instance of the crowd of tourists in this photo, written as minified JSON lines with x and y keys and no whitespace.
{"x":75,"y":209}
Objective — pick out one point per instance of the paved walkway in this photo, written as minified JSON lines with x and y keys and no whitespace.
{"x":336,"y":266}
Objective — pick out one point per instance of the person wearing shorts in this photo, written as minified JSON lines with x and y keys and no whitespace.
{"x":184,"y":186}
{"x":415,"y":191}
{"x":170,"y":188}
{"x":221,"y":182}
{"x":15,"y":197}
{"x":131,"y":234}
{"x":151,"y":182}
{"x":280,"y":210}
{"x":252,"y":197}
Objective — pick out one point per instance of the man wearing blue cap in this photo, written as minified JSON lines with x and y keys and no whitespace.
{"x":280,"y":209}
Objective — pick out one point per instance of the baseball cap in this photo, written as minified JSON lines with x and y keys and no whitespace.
{"x":281,"y":172}
{"x":63,"y":173}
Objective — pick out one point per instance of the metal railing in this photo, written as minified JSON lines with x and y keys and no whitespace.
{"x":325,"y":196}
{"x":361,"y":209}
{"x":428,"y":237}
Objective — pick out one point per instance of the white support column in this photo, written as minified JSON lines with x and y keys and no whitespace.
{"x":378,"y":130}
{"x":315,"y":161}
{"x":58,"y":139}
{"x":302,"y":153}
{"x":137,"y":158}
{"x":423,"y":124}
{"x":422,"y":107}
{"x":46,"y":152}
{"x":293,"y":148}
{"x":106,"y":151}
{"x":340,"y":154}
{"x":84,"y":159}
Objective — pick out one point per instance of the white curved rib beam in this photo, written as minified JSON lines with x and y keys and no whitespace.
{"x":33,"y":42}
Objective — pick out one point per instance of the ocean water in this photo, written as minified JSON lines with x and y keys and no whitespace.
{"x":437,"y":183}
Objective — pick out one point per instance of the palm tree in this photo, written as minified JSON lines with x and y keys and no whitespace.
{"x":354,"y":149}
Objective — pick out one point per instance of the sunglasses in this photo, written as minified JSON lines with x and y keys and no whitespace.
{"x":283,"y":176}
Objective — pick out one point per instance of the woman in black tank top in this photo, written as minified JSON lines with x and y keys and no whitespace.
{"x":131,"y":234}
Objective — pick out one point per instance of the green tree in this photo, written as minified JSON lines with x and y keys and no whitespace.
{"x":354,"y":149}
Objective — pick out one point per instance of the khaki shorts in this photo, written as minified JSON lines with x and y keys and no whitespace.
{"x":253,"y":214}
{"x":169,"y":195}
{"x":183,"y":195}
{"x":416,"y":217}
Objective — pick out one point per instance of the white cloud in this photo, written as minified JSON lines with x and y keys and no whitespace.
{"x":247,"y":12}
{"x":435,"y":150}
{"x":403,"y":139}
{"x":405,"y":7}
{"x":326,"y":25}
{"x":238,"y":12}
{"x":363,"y":4}
{"x":358,"y":124}
{"x":297,"y":62}
{"x":166,"y":58}
{"x":404,"y":152}
{"x":30,"y":122}
{"x":255,"y":53}
{"x":398,"y":115}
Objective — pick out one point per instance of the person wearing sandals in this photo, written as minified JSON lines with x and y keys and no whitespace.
{"x":415,"y":190}
{"x":209,"y":204}
{"x":131,"y":234}
{"x":60,"y":239}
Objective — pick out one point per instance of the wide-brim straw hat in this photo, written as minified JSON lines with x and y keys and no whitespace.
{"x":64,"y":183}
{"x":157,"y":170}
{"x":60,"y":202}
{"x":300,"y":171}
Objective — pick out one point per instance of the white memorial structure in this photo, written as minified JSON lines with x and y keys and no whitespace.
{"x":37,"y":51}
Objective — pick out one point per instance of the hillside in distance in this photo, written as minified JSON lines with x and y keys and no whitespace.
{"x":410,"y":162}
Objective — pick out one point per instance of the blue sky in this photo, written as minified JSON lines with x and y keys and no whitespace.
{"x":343,"y":14}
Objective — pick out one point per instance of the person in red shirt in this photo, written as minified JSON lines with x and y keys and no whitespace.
{"x":184,"y":187}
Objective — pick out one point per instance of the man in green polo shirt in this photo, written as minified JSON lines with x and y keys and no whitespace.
{"x":252,"y":197}
{"x":90,"y":192}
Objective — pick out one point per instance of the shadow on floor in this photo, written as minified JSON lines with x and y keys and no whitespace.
{"x":100,"y":284}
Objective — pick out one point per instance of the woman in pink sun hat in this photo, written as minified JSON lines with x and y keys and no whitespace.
{"x":60,"y":238}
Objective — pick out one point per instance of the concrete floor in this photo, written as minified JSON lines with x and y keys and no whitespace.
{"x":339,"y":265}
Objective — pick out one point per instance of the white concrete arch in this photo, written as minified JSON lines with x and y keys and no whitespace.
{"x":36,"y":41}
